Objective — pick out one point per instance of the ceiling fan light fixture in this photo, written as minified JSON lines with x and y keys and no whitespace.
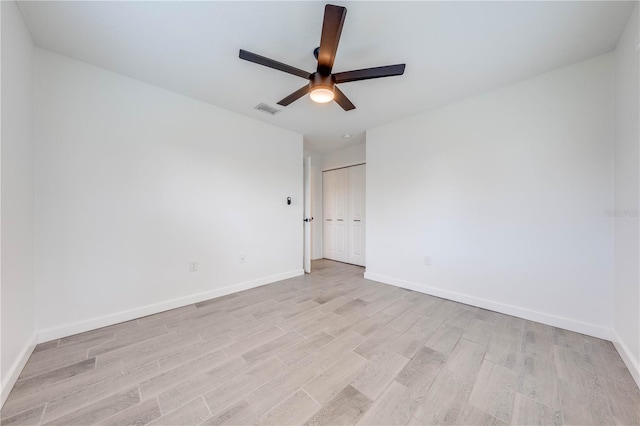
{"x":322,"y":94}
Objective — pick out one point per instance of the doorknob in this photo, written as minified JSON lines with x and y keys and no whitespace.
{"x":308,"y":219}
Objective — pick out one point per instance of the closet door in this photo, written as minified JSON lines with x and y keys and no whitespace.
{"x":329,"y":208}
{"x":341,"y":222}
{"x":357,"y":217}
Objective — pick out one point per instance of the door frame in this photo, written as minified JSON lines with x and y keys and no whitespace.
{"x":307,"y":211}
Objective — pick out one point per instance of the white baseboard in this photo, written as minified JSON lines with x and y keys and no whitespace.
{"x":104,"y":321}
{"x":16,"y":368}
{"x":629,"y":360}
{"x":516,"y":311}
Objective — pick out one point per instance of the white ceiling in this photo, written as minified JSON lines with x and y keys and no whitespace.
{"x":452,"y":50}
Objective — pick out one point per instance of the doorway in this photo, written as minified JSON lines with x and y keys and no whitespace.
{"x":344,"y":218}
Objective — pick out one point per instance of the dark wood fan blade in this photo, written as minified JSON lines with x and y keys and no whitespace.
{"x":261,"y":60}
{"x":331,"y":30}
{"x":342,"y":100}
{"x":368,"y":73}
{"x":295,"y":96}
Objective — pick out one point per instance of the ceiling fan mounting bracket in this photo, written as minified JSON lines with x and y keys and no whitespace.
{"x":315,"y":52}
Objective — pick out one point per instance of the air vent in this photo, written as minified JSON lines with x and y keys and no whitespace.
{"x":268,"y":109}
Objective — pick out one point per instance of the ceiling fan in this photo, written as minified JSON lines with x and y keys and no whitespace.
{"x":322,"y":83}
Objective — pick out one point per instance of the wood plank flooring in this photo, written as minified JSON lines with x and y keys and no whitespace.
{"x":329,"y":348}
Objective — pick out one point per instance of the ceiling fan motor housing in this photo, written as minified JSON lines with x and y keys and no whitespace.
{"x":318,"y":81}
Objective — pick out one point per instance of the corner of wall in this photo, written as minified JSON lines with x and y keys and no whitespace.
{"x":17,"y":197}
{"x":15,"y":370}
{"x":626,"y":310}
{"x":627,"y":356}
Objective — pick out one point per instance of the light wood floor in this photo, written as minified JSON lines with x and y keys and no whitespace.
{"x":327,"y":348}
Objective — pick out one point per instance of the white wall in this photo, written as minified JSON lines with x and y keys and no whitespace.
{"x":627,"y":199}
{"x":506,"y":192}
{"x":349,"y":156}
{"x":16,"y":278}
{"x":133,"y":182}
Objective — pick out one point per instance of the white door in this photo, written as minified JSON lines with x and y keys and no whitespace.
{"x":328,"y":207}
{"x":307,"y":215}
{"x":357,"y":233}
{"x":341,"y":189}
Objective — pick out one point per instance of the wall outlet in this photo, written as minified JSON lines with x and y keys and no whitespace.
{"x":242,"y":258}
{"x":193,"y":266}
{"x":427,"y":261}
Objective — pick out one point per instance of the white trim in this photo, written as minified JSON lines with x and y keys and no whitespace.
{"x":629,"y":360}
{"x":16,"y":368}
{"x":517,"y":311}
{"x":98,"y":322}
{"x":344,"y":166}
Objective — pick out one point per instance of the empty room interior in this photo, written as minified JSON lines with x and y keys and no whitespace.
{"x":312,"y":213}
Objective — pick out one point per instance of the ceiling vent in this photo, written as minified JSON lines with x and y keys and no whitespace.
{"x":268,"y":109}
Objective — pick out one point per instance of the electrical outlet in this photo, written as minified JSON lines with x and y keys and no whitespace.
{"x":242,"y":258}
{"x":193,"y":266}
{"x":427,"y":261}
